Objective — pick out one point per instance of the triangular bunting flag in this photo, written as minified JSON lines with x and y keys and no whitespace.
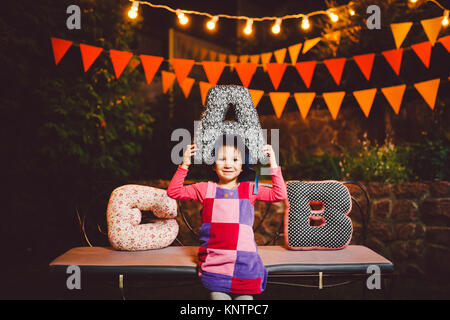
{"x":256,"y":96}
{"x":306,"y":71}
{"x":203,"y":53}
{"x":276,"y":72}
{"x":151,"y":65}
{"x":432,"y":27}
{"x":60,"y":47}
{"x":293,"y":52}
{"x":428,"y":90}
{"x":333,"y":101}
{"x":394,"y":95}
{"x":445,"y":41}
{"x":232,"y":59}
{"x":195,"y":50}
{"x":254,"y":58}
{"x":243,"y":58}
{"x":335,"y":66}
{"x":423,"y":51}
{"x":399,"y":31}
{"x":89,"y":54}
{"x":394,"y":57}
{"x":265,"y":59}
{"x":245,"y":72}
{"x":119,"y":60}
{"x":213,"y":70}
{"x":309,"y":44}
{"x":280,"y":55}
{"x":167,"y":80}
{"x":365,"y":99}
{"x":182,"y":67}
{"x":186,"y":86}
{"x":304,"y":101}
{"x":279,"y":100}
{"x":212,"y":55}
{"x":204,"y":88}
{"x":365,"y":63}
{"x":222,"y":57}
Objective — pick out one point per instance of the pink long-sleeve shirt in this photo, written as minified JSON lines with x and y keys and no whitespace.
{"x":197,"y":191}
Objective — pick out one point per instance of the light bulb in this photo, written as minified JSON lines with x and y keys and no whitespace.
{"x":133,"y":12}
{"x":182,"y":18}
{"x":413,"y":1}
{"x":248,"y":27}
{"x":445,"y":20}
{"x":211,"y":25}
{"x":334,"y":17}
{"x":352,"y":12}
{"x":276,"y":27}
{"x":305,"y":23}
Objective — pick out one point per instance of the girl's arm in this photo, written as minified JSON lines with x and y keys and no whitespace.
{"x":194,"y":191}
{"x":278,"y":191}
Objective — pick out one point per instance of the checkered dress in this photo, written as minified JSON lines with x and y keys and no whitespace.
{"x":228,"y":257}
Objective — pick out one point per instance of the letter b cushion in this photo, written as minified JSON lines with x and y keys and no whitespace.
{"x":124,"y":215}
{"x":328,"y":227}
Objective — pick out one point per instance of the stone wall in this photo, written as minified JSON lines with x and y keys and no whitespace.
{"x":409,"y":224}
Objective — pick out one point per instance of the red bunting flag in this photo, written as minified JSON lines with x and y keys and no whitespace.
{"x":428,"y":90}
{"x":304,"y":101}
{"x":394,"y":95}
{"x":335,"y":66}
{"x":245,"y":71}
{"x":279,"y":100}
{"x":423,"y":51}
{"x":151,"y":65}
{"x":60,"y":47}
{"x":213,"y":70}
{"x":394,"y":57}
{"x":89,"y":54}
{"x":276,"y":72}
{"x":306,"y":71}
{"x":182,"y":67}
{"x":365,"y":63}
{"x":167,"y":80}
{"x":334,"y":101}
{"x":445,"y":41}
{"x":204,"y":88}
{"x":119,"y":60}
{"x":186,"y":86}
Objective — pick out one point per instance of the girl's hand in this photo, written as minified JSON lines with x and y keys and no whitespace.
{"x":268,"y":151}
{"x":190,"y":152}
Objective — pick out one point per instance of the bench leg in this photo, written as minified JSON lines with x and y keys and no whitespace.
{"x":121,"y":286}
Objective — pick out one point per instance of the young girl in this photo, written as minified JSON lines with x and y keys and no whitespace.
{"x":228,"y":262}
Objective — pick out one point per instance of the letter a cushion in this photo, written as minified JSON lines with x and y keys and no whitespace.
{"x":326,"y":228}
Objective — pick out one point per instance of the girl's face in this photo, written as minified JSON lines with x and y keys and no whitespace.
{"x":228,"y":163}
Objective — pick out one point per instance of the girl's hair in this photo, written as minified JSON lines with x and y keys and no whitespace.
{"x":247,"y":174}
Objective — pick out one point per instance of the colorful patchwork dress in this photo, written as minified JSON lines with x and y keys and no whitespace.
{"x":228,"y":260}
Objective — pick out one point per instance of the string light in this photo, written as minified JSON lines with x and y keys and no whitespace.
{"x":305,"y":23}
{"x":352,"y":12}
{"x":276,"y":27}
{"x":132,"y":13}
{"x":248,"y":27}
{"x":211,"y":25}
{"x":445,"y":20}
{"x":182,"y":18}
{"x":413,"y":1}
{"x":334,"y":17}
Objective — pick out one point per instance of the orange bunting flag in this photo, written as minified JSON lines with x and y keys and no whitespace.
{"x":204,"y":88}
{"x":265,"y":59}
{"x":365,"y":63}
{"x":304,"y":101}
{"x":233,"y":59}
{"x":254,"y":58}
{"x":167,"y":80}
{"x":245,"y":71}
{"x":256,"y":96}
{"x":186,"y":86}
{"x":394,"y":57}
{"x":182,"y":67}
{"x":394,"y":95}
{"x":428,"y":90}
{"x":334,"y":101}
{"x":279,"y":100}
{"x":213,"y":70}
{"x":335,"y":66}
{"x":399,"y":31}
{"x":432,"y":27}
{"x":365,"y":99}
{"x":294,"y":50}
{"x":280,"y":55}
{"x":309,"y":44}
{"x":423,"y":51}
{"x":119,"y":60}
{"x":213,"y":55}
{"x":306,"y":71}
{"x":276,"y":72}
{"x":89,"y":54}
{"x":243,"y":58}
{"x":151,"y":65}
{"x":60,"y":47}
{"x":445,"y":41}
